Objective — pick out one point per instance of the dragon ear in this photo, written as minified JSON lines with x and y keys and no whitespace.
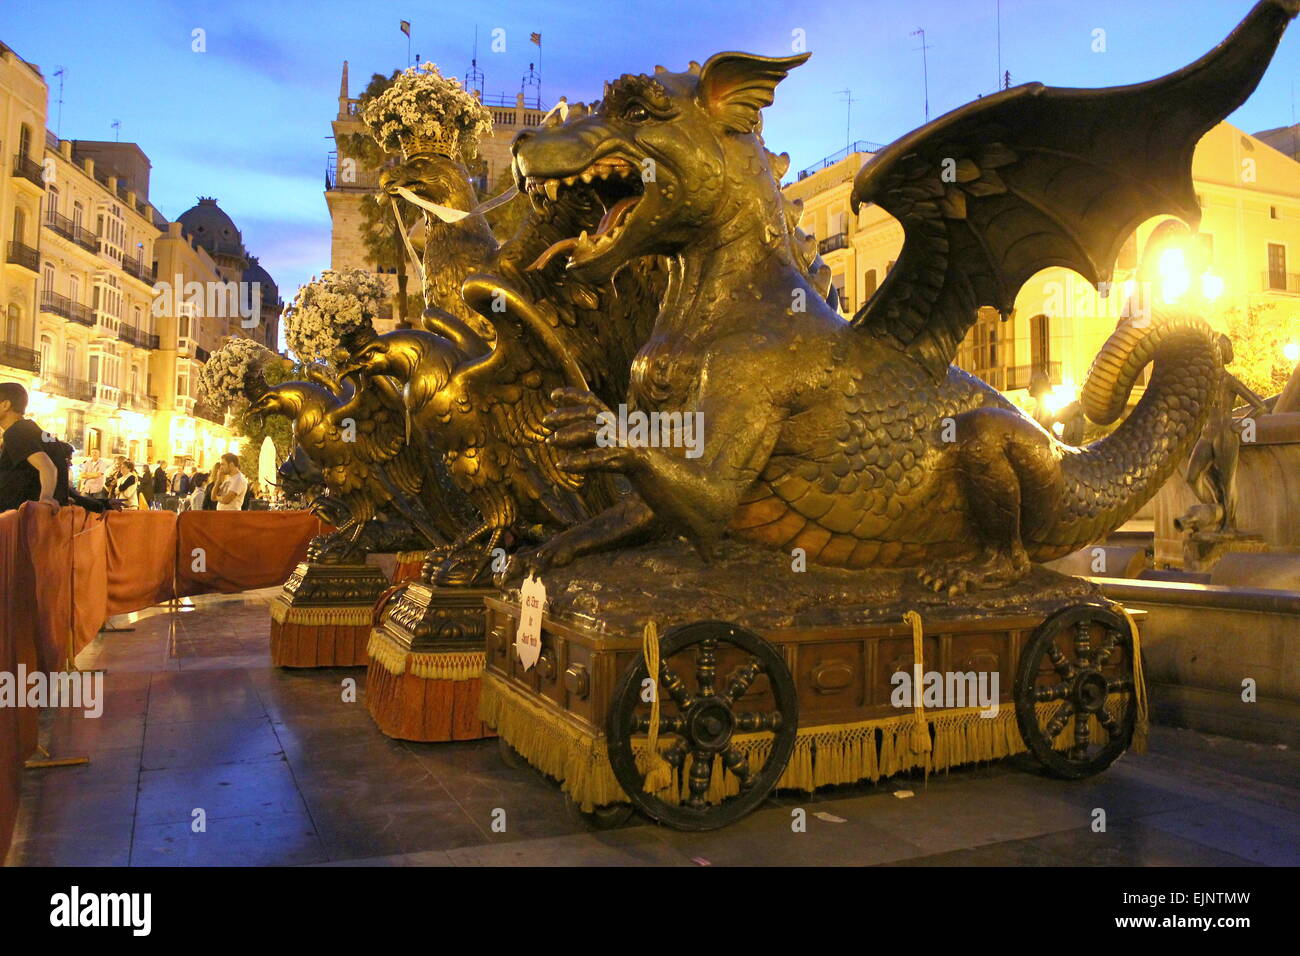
{"x":735,"y":86}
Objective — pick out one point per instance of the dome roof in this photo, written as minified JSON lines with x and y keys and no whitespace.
{"x":255,"y":273}
{"x":212,"y":228}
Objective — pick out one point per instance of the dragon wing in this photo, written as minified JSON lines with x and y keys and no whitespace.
{"x":1033,"y":177}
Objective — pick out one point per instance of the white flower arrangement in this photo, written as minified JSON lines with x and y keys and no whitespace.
{"x":327,"y":309}
{"x":226,"y":374}
{"x":424,"y":111}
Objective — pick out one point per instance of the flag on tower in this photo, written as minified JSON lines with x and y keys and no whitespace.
{"x":406,"y":28}
{"x":535,"y":38}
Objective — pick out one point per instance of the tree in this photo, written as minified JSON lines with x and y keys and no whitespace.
{"x":255,"y":428}
{"x":1258,"y":336}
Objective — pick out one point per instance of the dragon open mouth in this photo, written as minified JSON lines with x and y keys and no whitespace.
{"x":616,"y":184}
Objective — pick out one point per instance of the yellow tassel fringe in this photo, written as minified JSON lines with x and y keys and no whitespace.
{"x":320,"y":616}
{"x":447,"y":665}
{"x":823,"y":755}
{"x":1142,"y":726}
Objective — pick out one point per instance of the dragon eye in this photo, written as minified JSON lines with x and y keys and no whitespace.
{"x":636,"y":113}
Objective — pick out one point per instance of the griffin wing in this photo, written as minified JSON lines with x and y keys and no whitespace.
{"x":527,"y":364}
{"x":1034,"y":177}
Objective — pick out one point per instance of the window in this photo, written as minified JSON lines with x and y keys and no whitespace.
{"x":94,"y":366}
{"x":1040,"y":343}
{"x":52,"y":200}
{"x":838,"y":281}
{"x":24,"y":141}
{"x":74,"y":288}
{"x":1273,"y":213}
{"x":183,"y":384}
{"x":71,"y":366}
{"x":20,"y":226}
{"x":47,"y":355}
{"x":868,"y":284}
{"x":78,"y":215}
{"x":47,"y":277}
{"x":1277,"y":266}
{"x":94,"y":441}
{"x":13,"y":325}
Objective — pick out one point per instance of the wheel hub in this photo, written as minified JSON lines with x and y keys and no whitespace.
{"x":1090,"y":691}
{"x":710,"y":724}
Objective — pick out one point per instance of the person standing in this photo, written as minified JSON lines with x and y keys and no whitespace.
{"x":127,"y":486}
{"x":92,"y":477}
{"x":27,"y":471}
{"x":232,"y":487}
{"x":160,"y":480}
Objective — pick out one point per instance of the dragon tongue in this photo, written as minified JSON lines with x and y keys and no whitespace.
{"x":615,"y":214}
{"x":555,"y":249}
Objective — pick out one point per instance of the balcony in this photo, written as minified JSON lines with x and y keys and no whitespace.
{"x":69,"y":387}
{"x":136,"y":269}
{"x":72,"y":231}
{"x":28,"y":169}
{"x":24,"y":255}
{"x":1281,"y":282}
{"x":139,"y":403}
{"x":105,"y":325}
{"x":19,"y":357}
{"x":140,"y":339}
{"x":831,"y":243}
{"x":56,"y":304}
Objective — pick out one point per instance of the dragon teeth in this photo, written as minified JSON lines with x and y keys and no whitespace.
{"x":552,"y":188}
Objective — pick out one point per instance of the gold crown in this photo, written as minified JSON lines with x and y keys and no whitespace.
{"x":445,"y":143}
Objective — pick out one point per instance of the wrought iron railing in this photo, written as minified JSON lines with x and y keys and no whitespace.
{"x":19,"y":357}
{"x":24,"y":255}
{"x":133,"y":336}
{"x":860,"y":146}
{"x":69,"y":387}
{"x":838,"y":241}
{"x":1281,"y":281}
{"x":27,"y":168}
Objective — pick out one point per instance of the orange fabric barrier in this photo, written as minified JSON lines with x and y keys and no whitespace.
{"x":140,"y":559}
{"x":17,"y":724}
{"x":241,"y":550}
{"x":89,"y":584}
{"x":47,"y":535}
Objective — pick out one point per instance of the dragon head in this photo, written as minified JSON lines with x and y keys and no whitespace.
{"x":670,"y":157}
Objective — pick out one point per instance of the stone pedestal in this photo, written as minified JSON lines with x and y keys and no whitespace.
{"x":424,"y":662}
{"x":322,"y":617}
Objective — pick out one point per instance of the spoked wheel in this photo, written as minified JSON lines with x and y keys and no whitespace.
{"x":1076,"y":701}
{"x":702,"y":717}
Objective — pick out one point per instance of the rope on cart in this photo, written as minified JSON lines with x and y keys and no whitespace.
{"x":920,"y":729}
{"x":659,"y":773}
{"x":1143,"y":722}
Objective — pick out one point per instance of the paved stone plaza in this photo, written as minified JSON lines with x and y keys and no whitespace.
{"x":287,"y":773}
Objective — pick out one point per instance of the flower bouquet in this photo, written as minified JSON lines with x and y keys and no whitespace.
{"x":426,"y":113}
{"x":329,"y":310}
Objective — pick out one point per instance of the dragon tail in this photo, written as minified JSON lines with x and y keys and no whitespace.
{"x":1106,"y":482}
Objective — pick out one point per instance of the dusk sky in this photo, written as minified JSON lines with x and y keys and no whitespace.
{"x":248,"y":120}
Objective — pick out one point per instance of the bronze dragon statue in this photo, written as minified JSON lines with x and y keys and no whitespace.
{"x":858,"y":441}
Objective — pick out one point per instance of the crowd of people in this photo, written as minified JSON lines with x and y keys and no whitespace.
{"x":37,"y":466}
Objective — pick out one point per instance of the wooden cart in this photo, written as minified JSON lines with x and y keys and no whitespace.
{"x":744,"y":711}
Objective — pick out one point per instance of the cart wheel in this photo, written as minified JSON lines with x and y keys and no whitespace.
{"x":1081,"y":656}
{"x":703,"y":718}
{"x":609,"y":817}
{"x":511,"y":757}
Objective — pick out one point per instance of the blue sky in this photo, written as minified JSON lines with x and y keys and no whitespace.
{"x":248,"y":120}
